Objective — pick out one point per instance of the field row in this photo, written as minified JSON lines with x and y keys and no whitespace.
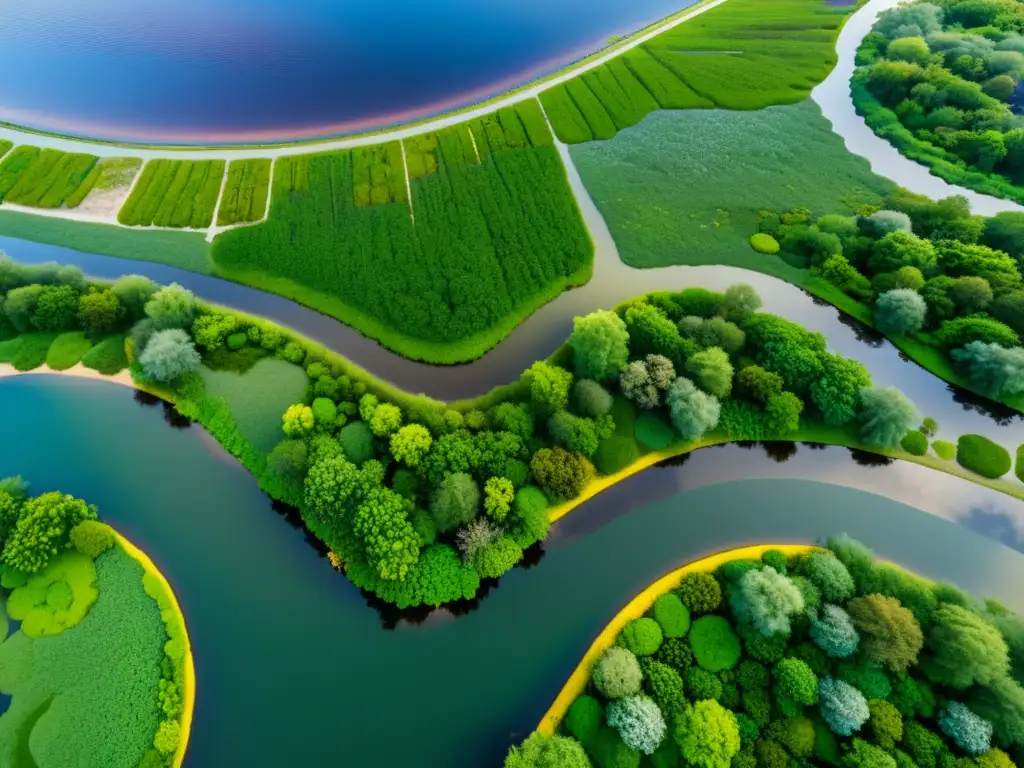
{"x":245,"y":192}
{"x":496,"y":227}
{"x":42,"y":178}
{"x":175,"y":193}
{"x":745,"y":54}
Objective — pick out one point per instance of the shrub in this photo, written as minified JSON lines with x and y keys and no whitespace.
{"x":886,"y":414}
{"x":796,"y":682}
{"x":530,"y":516}
{"x":356,"y":441}
{"x":591,"y":399}
{"x":547,"y":752}
{"x":944,"y":450}
{"x":901,"y":310}
{"x":676,"y":653}
{"x":700,"y":592}
{"x":410,"y":444}
{"x":43,"y":529}
{"x":455,"y":502}
{"x":615,"y":454}
{"x":843,"y":707}
{"x":752,"y":675}
{"x":912,"y":698}
{"x":693,"y":412}
{"x":834,"y":633}
{"x":497,"y":558}
{"x":563,"y":473}
{"x":764,"y":243}
{"x":966,"y":649}
{"x":639,"y":722}
{"x":666,"y":687}
{"x":993,"y":369}
{"x":653,"y":433}
{"x":889,"y":633}
{"x":864,"y":755}
{"x":766,"y":599}
{"x":325,"y":412}
{"x":498,"y":497}
{"x":642,"y":636}
{"x":712,"y":371}
{"x":885,"y":722}
{"x":92,"y":538}
{"x":672,"y":616}
{"x":707,"y":735}
{"x":766,"y":649}
{"x":599,"y":343}
{"x":866,"y":676}
{"x":830,"y":576}
{"x":1002,"y":704}
{"x":701,"y":685}
{"x":610,"y":751}
{"x":961,"y":331}
{"x":617,"y":673}
{"x":914,"y":443}
{"x":715,"y":645}
{"x":169,"y":355}
{"x":971,"y":733}
{"x":979,"y":454}
{"x":584,"y":718}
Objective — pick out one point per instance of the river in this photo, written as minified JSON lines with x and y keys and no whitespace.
{"x":294,"y":668}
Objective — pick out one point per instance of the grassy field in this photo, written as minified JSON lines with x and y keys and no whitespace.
{"x":175,"y":193}
{"x":108,"y":173}
{"x":258,"y":397}
{"x":187,"y":250}
{"x":497,"y":233}
{"x":745,"y":54}
{"x":245,"y":192}
{"x":666,"y":202}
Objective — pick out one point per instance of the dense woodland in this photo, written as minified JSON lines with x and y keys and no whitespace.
{"x":825,"y":658}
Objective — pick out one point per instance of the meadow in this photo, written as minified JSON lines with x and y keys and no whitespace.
{"x":175,"y":193}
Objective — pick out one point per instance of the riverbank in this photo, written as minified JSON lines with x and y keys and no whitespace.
{"x":636,"y":608}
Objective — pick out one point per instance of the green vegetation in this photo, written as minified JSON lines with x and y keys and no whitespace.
{"x":763,"y":243}
{"x":245,"y":192}
{"x":939,"y":84}
{"x":494,"y":237}
{"x":979,"y":454}
{"x":27,"y":351}
{"x":1019,"y":464}
{"x":57,"y":598}
{"x":175,"y":193}
{"x":43,"y":179}
{"x":760,"y":54}
{"x":67,"y":350}
{"x":14,"y":165}
{"x":862,"y":682}
{"x":944,"y":450}
{"x":108,"y":173}
{"x":107,"y":356}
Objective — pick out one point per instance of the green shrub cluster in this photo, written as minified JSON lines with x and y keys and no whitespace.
{"x":979,"y":454}
{"x":245,"y":192}
{"x":174,"y":193}
{"x":943,"y":697}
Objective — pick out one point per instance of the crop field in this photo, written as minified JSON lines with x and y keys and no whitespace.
{"x":668,"y":204}
{"x":42,"y":178}
{"x":744,"y":55}
{"x":175,"y":193}
{"x":108,"y":173}
{"x":378,"y":175}
{"x":496,"y":234}
{"x":245,"y":192}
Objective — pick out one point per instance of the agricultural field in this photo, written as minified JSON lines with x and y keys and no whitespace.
{"x":745,"y":54}
{"x":496,"y":234}
{"x":175,"y":193}
{"x":110,"y":173}
{"x":666,"y":204}
{"x":245,"y":192}
{"x":42,"y":178}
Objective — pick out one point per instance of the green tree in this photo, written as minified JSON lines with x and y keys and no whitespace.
{"x":455,"y":502}
{"x":766,"y":599}
{"x":1009,"y":309}
{"x":961,"y":331}
{"x":549,"y":387}
{"x":561,"y":473}
{"x":902,"y":249}
{"x":758,"y":384}
{"x":912,"y":49}
{"x":700,"y":592}
{"x":134,"y":291}
{"x":836,"y":392}
{"x":540,"y":751}
{"x":707,"y":735}
{"x":864,"y":755}
{"x":591,"y":399}
{"x":99,"y":313}
{"x":971,"y":733}
{"x":886,"y":414}
{"x":739,"y":301}
{"x":390,"y":542}
{"x":782,"y":413}
{"x":971,"y":294}
{"x":834,"y":633}
{"x":617,"y":673}
{"x":56,"y":308}
{"x":652,"y":333}
{"x":843,"y":707}
{"x":410,"y":444}
{"x":693,"y":412}
{"x":889,"y":633}
{"x":993,"y":369}
{"x":43,"y":529}
{"x":498,"y":497}
{"x":495,"y":559}
{"x":965,"y":649}
{"x":1002,"y":704}
{"x":173,"y":305}
{"x":830,"y":576}
{"x":711,"y":371}
{"x":600,"y":345}
{"x":900,"y":311}
{"x":20,"y":305}
{"x":639,"y":722}
{"x":169,"y":355}
{"x":386,"y":420}
{"x":904,"y":277}
{"x":92,"y":538}
{"x":298,"y":420}
{"x":1005,"y":232}
{"x":211,"y":329}
{"x":795,"y":682}
{"x":579,"y":434}
{"x":288,"y":460}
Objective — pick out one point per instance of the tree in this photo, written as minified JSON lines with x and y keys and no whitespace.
{"x":889,"y":633}
{"x":478,"y":534}
{"x":1009,"y":309}
{"x":514,"y":418}
{"x":961,"y":331}
{"x":707,"y":735}
{"x":211,"y":329}
{"x":547,"y":752}
{"x":639,"y":722}
{"x":810,"y":244}
{"x":56,"y":308}
{"x":386,"y":419}
{"x":693,"y":412}
{"x":758,"y":384}
{"x":981,"y":149}
{"x":410,"y":444}
{"x":902,"y":249}
{"x":900,"y":311}
{"x":965,"y":259}
{"x":700,"y":592}
{"x":971,"y":733}
{"x":994,"y":369}
{"x":965,"y":649}
{"x":173,"y":305}
{"x":497,"y":558}
{"x":92,"y":538}
{"x":455,"y":502}
{"x":843,"y":707}
{"x":20,"y":304}
{"x":971,"y":294}
{"x":904,"y":277}
{"x":288,"y":459}
{"x":169,"y":355}
{"x":498,"y":497}
{"x":830,"y":576}
{"x":864,"y":755}
{"x":637,"y":385}
{"x":795,"y":682}
{"x":886,"y":414}
{"x":600,"y":345}
{"x":913,"y":49}
{"x":99,"y":313}
{"x":881,"y":223}
{"x":43,"y":529}
{"x":834,"y":633}
{"x":389,"y":541}
{"x":917,"y":19}
{"x":549,"y":387}
{"x":325,"y":414}
{"x":134,"y":291}
{"x":591,"y":399}
{"x":1002,"y":704}
{"x":579,"y":434}
{"x":356,"y":441}
{"x":298,"y":420}
{"x":718,"y":332}
{"x":836,"y":391}
{"x":560,"y":472}
{"x":740,"y":300}
{"x":1005,"y":232}
{"x":652,"y":333}
{"x":766,"y":599}
{"x":711,"y":371}
{"x":617,"y":673}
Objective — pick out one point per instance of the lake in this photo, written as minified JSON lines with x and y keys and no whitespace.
{"x":234,"y":71}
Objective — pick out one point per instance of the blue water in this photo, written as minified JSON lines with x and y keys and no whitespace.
{"x":202,"y":71}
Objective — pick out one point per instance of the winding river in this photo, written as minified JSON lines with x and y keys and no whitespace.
{"x":293,"y":668}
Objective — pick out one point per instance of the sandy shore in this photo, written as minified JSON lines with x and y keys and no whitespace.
{"x":124,"y":378}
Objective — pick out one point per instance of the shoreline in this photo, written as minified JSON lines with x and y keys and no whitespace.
{"x":634,"y":609}
{"x":77,"y":371}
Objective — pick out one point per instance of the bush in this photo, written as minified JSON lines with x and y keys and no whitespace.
{"x":830,"y":576}
{"x":237,"y":340}
{"x":169,"y":355}
{"x":615,"y":454}
{"x":914,"y":443}
{"x":764,"y":243}
{"x":965,"y":649}
{"x":979,"y":454}
{"x":666,"y":686}
{"x":653,"y":433}
{"x":715,"y":645}
{"x":639,"y":722}
{"x":702,"y":685}
{"x":642,"y":636}
{"x":325,"y":413}
{"x":843,"y":707}
{"x":591,"y":399}
{"x":901,"y":310}
{"x":676,"y":653}
{"x":672,"y":616}
{"x":886,"y":723}
{"x":707,"y":735}
{"x":617,"y":673}
{"x":700,"y":592}
{"x":971,"y":733}
{"x":584,"y":718}
{"x":693,"y":412}
{"x":356,"y":441}
{"x":866,"y":676}
{"x":944,"y":450}
{"x":796,"y":682}
{"x":889,"y":633}
{"x":599,"y":342}
{"x":455,"y":502}
{"x":547,"y":752}
{"x":609,"y":751}
{"x":560,"y":472}
{"x":886,"y":414}
{"x":834,"y":633}
{"x":766,"y":599}
{"x":92,"y":538}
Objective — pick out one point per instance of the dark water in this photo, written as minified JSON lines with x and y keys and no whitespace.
{"x":295,"y":669}
{"x":227,"y":71}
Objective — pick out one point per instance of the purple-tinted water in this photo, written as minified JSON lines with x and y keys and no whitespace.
{"x":229,"y":71}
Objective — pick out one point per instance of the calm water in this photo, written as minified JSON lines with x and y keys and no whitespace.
{"x":204,"y":71}
{"x":287,"y":649}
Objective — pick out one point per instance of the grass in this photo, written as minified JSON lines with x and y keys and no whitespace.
{"x":497,"y":234}
{"x":258,"y":397}
{"x":979,"y":454}
{"x":67,"y":350}
{"x":39,"y":606}
{"x":101,"y":677}
{"x":108,"y":173}
{"x":27,"y":351}
{"x":773,"y":52}
{"x":50,"y":178}
{"x":108,"y":356}
{"x":245,"y":192}
{"x":174,"y":193}
{"x":186,"y":250}
{"x":668,"y":203}
{"x":654,"y":433}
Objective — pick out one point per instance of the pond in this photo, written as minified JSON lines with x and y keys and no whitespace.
{"x":234,"y":71}
{"x":293,"y":666}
